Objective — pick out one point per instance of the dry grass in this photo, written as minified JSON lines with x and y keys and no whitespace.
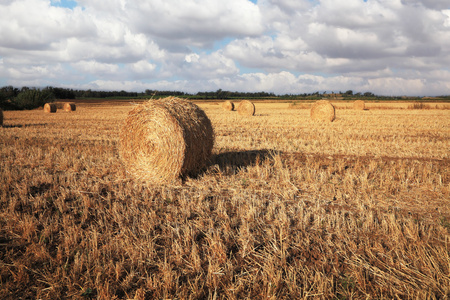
{"x":382,"y":105}
{"x":68,"y":106}
{"x":355,"y":209}
{"x":50,"y":108}
{"x":323,"y":110}
{"x":296,"y":105}
{"x":162,"y":140}
{"x":246,"y":108}
{"x":228,"y":105}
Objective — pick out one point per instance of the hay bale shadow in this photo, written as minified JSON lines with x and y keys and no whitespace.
{"x":233,"y":161}
{"x":26,"y":125}
{"x":229,"y":163}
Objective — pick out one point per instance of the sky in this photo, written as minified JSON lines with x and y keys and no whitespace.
{"x":387,"y":47}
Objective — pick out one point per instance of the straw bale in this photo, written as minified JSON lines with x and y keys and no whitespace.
{"x":228,"y":105}
{"x":50,"y":108}
{"x":246,"y":108}
{"x":359,"y":105}
{"x":69,"y":106}
{"x":163,"y":140}
{"x":1,"y":117}
{"x":323,"y":110}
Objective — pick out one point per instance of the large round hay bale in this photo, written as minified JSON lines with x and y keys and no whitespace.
{"x":323,"y":110}
{"x":228,"y":105}
{"x":163,"y":140}
{"x":50,"y":108}
{"x":68,"y":106}
{"x":359,"y":105}
{"x":1,"y":117}
{"x":246,"y":108}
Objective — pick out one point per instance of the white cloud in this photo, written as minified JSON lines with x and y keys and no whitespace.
{"x":446,"y":14}
{"x":197,"y":22}
{"x":96,"y":68}
{"x":35,"y":25}
{"x":434,"y":4}
{"x":284,"y":46}
{"x":206,"y":66}
{"x":143,"y":66}
{"x":191,"y":57}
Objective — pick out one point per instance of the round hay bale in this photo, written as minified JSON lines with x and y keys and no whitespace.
{"x":68,"y":106}
{"x":323,"y":110}
{"x":228,"y":105}
{"x":50,"y":108}
{"x":359,"y":105}
{"x":1,"y":117}
{"x":246,"y":108}
{"x":163,"y":140}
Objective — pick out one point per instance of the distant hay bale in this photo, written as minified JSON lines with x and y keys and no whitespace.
{"x":323,"y":110}
{"x":68,"y":106}
{"x":246,"y":108}
{"x":50,"y":107}
{"x":162,"y":140}
{"x":359,"y":105}
{"x":1,"y":117}
{"x":228,"y":105}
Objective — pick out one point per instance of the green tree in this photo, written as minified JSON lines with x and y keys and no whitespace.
{"x":33,"y":98}
{"x":219,"y":94}
{"x":7,"y":94}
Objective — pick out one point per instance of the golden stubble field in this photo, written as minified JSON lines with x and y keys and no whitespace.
{"x":288,"y":208}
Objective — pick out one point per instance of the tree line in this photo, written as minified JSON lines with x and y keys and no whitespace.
{"x":30,"y":97}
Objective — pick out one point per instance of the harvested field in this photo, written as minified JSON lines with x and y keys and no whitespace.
{"x":288,"y":208}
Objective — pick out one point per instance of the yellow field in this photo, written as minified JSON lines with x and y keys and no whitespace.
{"x":287,"y":209}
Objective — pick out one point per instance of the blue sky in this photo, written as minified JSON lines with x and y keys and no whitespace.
{"x":280,"y":46}
{"x":64,"y":3}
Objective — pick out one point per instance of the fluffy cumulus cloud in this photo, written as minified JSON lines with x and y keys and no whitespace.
{"x":395,"y":47}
